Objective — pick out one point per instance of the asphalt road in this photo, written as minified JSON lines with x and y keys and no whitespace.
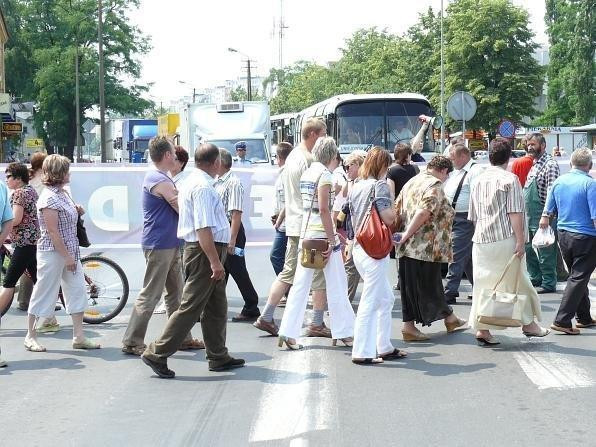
{"x":448,"y":392}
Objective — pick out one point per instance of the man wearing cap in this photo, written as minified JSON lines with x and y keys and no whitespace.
{"x":240,"y":159}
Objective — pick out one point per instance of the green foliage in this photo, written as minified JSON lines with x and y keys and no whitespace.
{"x":240,"y":94}
{"x":489,"y":53}
{"x":40,"y":61}
{"x":571,"y":96}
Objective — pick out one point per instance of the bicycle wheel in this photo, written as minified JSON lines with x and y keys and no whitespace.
{"x":107,"y":289}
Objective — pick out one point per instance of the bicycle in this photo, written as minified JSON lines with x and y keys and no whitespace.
{"x":107,"y":287}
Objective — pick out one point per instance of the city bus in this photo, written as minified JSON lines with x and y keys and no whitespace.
{"x":282,"y":128}
{"x":364,"y":121}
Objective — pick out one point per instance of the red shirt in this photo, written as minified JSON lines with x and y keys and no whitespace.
{"x":521,"y":167}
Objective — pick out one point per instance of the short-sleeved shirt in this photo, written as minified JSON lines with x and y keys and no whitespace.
{"x":5,"y":209}
{"x":545,"y":170}
{"x":495,"y":194}
{"x":57,"y":199}
{"x":432,"y":242}
{"x":573,"y":197}
{"x":339,"y":180}
{"x":280,"y":202}
{"x":231,"y":192}
{"x":360,"y":197}
{"x":311,"y":181}
{"x":401,"y":174}
{"x":455,"y":178}
{"x":521,"y":167}
{"x":27,"y":232}
{"x":160,"y":220}
{"x":200,"y":207}
{"x":297,"y":162}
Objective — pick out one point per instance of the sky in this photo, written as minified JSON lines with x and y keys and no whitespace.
{"x":190,"y":38}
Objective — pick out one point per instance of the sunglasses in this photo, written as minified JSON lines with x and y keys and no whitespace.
{"x":241,"y":149}
{"x":9,"y":176}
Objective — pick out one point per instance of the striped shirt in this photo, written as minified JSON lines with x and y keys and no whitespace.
{"x":308,"y":188}
{"x":57,"y":199}
{"x":200,"y":207}
{"x":495,"y":194}
{"x":545,"y":171}
{"x":231,"y":192}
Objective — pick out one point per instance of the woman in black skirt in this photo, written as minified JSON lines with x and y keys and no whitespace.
{"x":425,"y":244}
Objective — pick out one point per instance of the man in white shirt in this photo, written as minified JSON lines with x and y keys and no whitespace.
{"x":457,"y":190}
{"x":204,"y":226}
{"x":240,"y":159}
{"x":297,"y":162}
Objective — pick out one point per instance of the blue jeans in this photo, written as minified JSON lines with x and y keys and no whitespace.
{"x":278,"y":251}
{"x":463,"y":230}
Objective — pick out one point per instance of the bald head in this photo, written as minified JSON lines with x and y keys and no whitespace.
{"x":206,"y":154}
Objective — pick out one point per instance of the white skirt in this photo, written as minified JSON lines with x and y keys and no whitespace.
{"x":489,"y":261}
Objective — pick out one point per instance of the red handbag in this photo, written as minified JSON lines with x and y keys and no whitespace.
{"x":374,"y":236}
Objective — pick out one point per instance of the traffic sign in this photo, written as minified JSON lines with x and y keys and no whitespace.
{"x":506,"y":128}
{"x":12,"y":128}
{"x":33,"y":143}
{"x":461,"y":106}
{"x":88,"y":126}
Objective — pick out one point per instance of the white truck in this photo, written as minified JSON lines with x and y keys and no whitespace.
{"x":227,"y":123}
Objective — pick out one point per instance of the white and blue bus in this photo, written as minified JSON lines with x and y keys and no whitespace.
{"x":363,"y":121}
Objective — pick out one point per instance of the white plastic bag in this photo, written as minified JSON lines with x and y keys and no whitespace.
{"x":544,"y":237}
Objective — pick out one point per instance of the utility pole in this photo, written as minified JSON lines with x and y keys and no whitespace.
{"x":282,"y":27}
{"x":442,"y":85}
{"x":248,"y":80}
{"x":194,"y":94}
{"x":78,"y":106}
{"x":102,"y":99}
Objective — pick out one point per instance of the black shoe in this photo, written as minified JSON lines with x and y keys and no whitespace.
{"x":243,"y":318}
{"x":161,"y":369}
{"x":450,"y":299}
{"x":230,"y":364}
{"x":541,"y":290}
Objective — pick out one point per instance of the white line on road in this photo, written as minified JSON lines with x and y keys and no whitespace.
{"x":298,"y":399}
{"x":548,"y":369}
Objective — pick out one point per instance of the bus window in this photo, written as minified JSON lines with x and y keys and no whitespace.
{"x":360,"y":125}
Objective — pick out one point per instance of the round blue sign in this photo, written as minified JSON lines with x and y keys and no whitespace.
{"x":506,"y":129}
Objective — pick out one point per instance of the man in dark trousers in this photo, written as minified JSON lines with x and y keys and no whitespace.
{"x":206,"y":232}
{"x":231,"y":192}
{"x":573,"y":199}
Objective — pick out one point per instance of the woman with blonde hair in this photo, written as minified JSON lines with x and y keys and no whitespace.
{"x":372,"y":331}
{"x":317,"y":223}
{"x":58,"y":256}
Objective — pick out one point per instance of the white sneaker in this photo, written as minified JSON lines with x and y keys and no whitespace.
{"x":161,"y":309}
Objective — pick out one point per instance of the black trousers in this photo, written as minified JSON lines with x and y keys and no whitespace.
{"x":579,"y":253}
{"x":23,"y":258}
{"x":236,"y":267}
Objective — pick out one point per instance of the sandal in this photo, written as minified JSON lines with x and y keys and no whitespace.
{"x":192,"y":345}
{"x":347,"y":341}
{"x":542,"y":333}
{"x":85,"y":344}
{"x":394,"y":355}
{"x":565,"y":330}
{"x":32,"y":345}
{"x":368,"y":361}
{"x":134,"y":350}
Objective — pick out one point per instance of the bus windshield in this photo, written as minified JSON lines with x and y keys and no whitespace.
{"x":362,"y":125}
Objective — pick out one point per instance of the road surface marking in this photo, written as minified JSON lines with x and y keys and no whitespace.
{"x":547,"y":369}
{"x":298,"y":400}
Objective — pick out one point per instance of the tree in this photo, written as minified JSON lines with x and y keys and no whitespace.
{"x":489,"y":53}
{"x":40,"y":62}
{"x":240,"y":94}
{"x":571,"y":94}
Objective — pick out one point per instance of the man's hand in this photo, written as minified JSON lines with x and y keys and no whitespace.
{"x":520,"y":249}
{"x":544,"y":222}
{"x":424,"y":119}
{"x":218,"y":272}
{"x":274,"y":219}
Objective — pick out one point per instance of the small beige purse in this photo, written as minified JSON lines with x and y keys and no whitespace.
{"x":311,"y":251}
{"x":502,"y":308}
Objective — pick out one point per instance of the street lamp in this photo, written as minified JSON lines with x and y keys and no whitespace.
{"x":194,"y":90}
{"x":248,"y":76}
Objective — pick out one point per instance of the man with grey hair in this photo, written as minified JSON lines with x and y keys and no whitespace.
{"x":542,"y":266}
{"x":457,"y":190}
{"x":573,"y":198}
{"x":231,"y":191}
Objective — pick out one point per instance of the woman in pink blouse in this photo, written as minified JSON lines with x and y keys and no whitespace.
{"x":58,"y":256}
